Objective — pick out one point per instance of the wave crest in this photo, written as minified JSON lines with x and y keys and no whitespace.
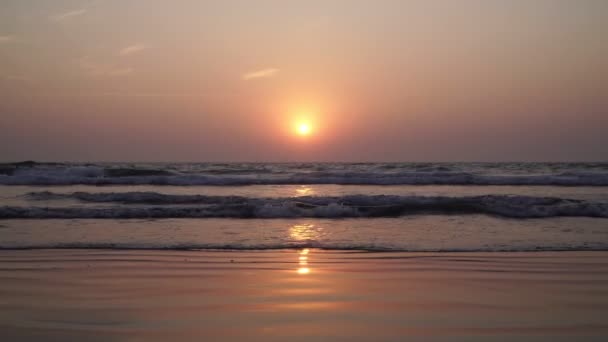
{"x":92,"y":175}
{"x":200,"y":206}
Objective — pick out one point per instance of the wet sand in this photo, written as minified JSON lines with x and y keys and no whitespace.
{"x":303,"y":295}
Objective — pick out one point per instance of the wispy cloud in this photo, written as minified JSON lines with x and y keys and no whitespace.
{"x":268,"y":72}
{"x":18,"y":78}
{"x":117,"y":94}
{"x":6,"y":39}
{"x":131,"y":49}
{"x":119,"y":71}
{"x":67,"y":15}
{"x":97,"y":69}
{"x":123,"y":94}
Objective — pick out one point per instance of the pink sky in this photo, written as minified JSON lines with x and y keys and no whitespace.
{"x":377,"y":80}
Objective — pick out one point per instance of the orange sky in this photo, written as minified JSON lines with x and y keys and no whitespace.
{"x":376,"y":80}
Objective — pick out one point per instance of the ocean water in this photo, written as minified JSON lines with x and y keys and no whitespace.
{"x":371,"y":206}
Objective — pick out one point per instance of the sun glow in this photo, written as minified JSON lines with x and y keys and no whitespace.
{"x":303,"y":128}
{"x":303,"y":121}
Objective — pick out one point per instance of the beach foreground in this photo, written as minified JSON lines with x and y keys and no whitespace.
{"x":137,"y":295}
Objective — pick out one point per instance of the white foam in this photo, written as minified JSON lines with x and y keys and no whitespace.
{"x":95,"y":176}
{"x":342,"y":206}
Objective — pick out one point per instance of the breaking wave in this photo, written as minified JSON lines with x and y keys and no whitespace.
{"x":94,"y":175}
{"x":184,"y":174}
{"x":299,"y":245}
{"x":200,"y":206}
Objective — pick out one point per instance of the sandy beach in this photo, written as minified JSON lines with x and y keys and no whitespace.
{"x":144,"y":295}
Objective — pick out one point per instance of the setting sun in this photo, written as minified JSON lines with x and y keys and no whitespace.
{"x":303,"y":128}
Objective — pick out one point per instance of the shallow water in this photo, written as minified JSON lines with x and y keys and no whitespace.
{"x":411,"y":233}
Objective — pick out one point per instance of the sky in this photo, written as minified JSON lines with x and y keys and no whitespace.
{"x":228,"y":80}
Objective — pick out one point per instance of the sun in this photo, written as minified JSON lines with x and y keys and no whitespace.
{"x":303,"y":128}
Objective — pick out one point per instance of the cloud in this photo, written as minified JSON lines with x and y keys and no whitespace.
{"x":67,"y":15}
{"x":119,"y":71}
{"x":6,"y":39}
{"x":96,"y":69}
{"x":131,"y":49}
{"x":119,"y":94}
{"x":268,"y":72}
{"x":123,"y":94}
{"x":18,"y":78}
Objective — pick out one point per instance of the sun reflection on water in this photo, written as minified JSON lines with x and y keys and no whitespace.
{"x":304,"y":190}
{"x":303,"y":261}
{"x":303,"y":270}
{"x":306,"y":231}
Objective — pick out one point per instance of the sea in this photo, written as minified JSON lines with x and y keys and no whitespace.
{"x":413,"y":207}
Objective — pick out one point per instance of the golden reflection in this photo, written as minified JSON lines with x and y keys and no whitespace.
{"x":305,"y":231}
{"x":304,"y":191}
{"x":303,"y":270}
{"x":303,"y":261}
